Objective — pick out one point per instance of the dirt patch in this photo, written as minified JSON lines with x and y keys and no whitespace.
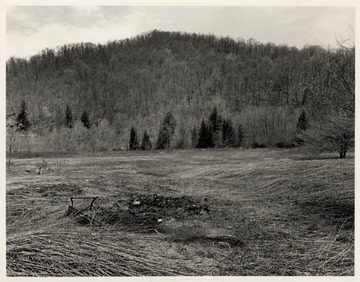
{"x":178,"y":207}
{"x":141,"y":210}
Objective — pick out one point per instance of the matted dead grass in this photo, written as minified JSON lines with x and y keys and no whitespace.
{"x":272,"y":212}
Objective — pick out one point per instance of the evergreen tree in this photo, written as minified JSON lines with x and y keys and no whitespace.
{"x":302,"y":121}
{"x":58,"y":119}
{"x":194,"y":137}
{"x":68,"y":117}
{"x":215,"y":127}
{"x":181,"y":137}
{"x":228,"y":133}
{"x":85,"y":119}
{"x":166,"y":132}
{"x":240,"y":137}
{"x":146,"y":143}
{"x":22,"y":121}
{"x":133,"y":143}
{"x":204,"y":136}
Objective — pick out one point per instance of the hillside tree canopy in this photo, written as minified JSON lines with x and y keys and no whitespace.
{"x":263,"y":87}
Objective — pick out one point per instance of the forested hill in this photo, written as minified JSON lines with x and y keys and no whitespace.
{"x":265,"y":89}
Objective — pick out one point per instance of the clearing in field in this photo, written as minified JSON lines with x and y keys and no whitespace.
{"x":157,"y":213}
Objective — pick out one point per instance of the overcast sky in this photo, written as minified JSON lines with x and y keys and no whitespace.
{"x":31,"y":29}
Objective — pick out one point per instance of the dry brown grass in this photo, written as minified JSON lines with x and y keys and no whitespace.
{"x":273,"y":212}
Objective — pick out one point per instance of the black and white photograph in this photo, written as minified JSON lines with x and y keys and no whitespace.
{"x":179,"y":140}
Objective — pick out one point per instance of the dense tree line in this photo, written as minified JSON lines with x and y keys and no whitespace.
{"x":174,"y":86}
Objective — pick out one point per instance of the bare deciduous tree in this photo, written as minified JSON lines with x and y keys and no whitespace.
{"x":333,"y":134}
{"x":333,"y":90}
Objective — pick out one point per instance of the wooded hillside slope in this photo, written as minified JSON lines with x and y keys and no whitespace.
{"x":269,"y":91}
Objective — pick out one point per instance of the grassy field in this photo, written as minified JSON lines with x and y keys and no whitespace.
{"x":272,"y":212}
